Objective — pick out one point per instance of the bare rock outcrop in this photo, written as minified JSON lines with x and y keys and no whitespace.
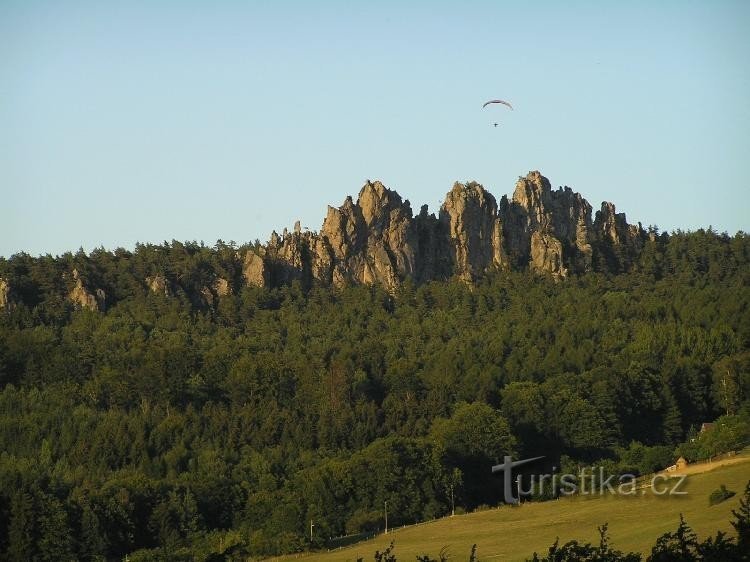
{"x":287,"y":257}
{"x":547,"y":254}
{"x":619,"y":242}
{"x":376,"y":239}
{"x":613,"y":227}
{"x":158,"y":284}
{"x":221,"y":287}
{"x":82,"y":297}
{"x":561,"y":220}
{"x":4,"y":293}
{"x":371,"y":241}
{"x":435,"y":261}
{"x":254,"y":270}
{"x":475,"y":231}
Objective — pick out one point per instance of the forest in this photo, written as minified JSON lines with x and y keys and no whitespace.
{"x":168,"y":426}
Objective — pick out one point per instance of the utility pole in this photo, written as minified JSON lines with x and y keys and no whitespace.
{"x":311,"y":528}
{"x":453,"y":505}
{"x":386,"y":516}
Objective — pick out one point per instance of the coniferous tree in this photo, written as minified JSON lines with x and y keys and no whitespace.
{"x":92,"y":542}
{"x":54,"y":537}
{"x":679,"y":546}
{"x":21,"y":532}
{"x":741,"y":523}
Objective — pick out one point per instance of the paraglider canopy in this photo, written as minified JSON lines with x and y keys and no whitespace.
{"x":497,"y":101}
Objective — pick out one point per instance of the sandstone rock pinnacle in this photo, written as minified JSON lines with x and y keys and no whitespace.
{"x":377,"y":239}
{"x":81,"y":296}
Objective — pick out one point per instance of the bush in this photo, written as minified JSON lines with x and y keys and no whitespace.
{"x":720,"y":495}
{"x":640,"y":459}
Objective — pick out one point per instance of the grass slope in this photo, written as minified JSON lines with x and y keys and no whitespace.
{"x":512,"y":534}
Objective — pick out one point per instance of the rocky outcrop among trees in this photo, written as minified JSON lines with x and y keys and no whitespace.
{"x":81,"y":296}
{"x":377,"y":239}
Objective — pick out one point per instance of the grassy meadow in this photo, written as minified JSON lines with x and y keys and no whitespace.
{"x":514,"y":533}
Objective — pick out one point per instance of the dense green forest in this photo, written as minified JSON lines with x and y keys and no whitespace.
{"x":170,"y":426}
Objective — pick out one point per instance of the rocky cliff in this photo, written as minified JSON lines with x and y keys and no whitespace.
{"x":4,"y":293}
{"x":373,"y":239}
{"x":474,"y":230}
{"x":81,"y":296}
{"x":377,"y":239}
{"x":548,"y":230}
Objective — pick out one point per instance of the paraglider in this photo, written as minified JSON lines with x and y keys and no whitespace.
{"x":496,"y":101}
{"x":503,"y":102}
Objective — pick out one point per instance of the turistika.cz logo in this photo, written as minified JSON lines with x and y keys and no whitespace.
{"x":590,"y":480}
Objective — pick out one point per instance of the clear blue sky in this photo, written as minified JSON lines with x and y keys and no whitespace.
{"x":152,"y":120}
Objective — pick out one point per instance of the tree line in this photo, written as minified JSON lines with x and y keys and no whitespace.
{"x":170,"y":425}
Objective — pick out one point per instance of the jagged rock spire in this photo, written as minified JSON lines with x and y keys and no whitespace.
{"x":378,"y":240}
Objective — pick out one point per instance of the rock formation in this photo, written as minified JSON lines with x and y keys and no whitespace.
{"x":4,"y":293}
{"x":81,"y":296}
{"x":619,"y":241}
{"x":474,"y":230}
{"x":158,"y":284}
{"x":222,"y":287}
{"x":377,"y":239}
{"x":210,"y":295}
{"x":374,"y":240}
{"x":254,"y":270}
{"x":371,"y":241}
{"x":550,"y":230}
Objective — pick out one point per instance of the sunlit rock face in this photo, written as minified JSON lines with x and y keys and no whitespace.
{"x":474,"y":229}
{"x":158,"y":284}
{"x":81,"y":296}
{"x":4,"y":293}
{"x":377,"y":239}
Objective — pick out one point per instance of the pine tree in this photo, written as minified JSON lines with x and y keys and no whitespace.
{"x":680,"y":546}
{"x":742,"y":522}
{"x":54,"y":532}
{"x":93,"y":545}
{"x":672,"y":421}
{"x":21,"y":531}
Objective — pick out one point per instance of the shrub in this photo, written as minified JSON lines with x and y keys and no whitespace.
{"x":720,"y":495}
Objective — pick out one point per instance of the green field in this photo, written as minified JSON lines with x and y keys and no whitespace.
{"x":510,"y":533}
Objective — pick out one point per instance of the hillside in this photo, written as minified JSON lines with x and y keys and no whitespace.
{"x":159,"y":404}
{"x":513,"y":534}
